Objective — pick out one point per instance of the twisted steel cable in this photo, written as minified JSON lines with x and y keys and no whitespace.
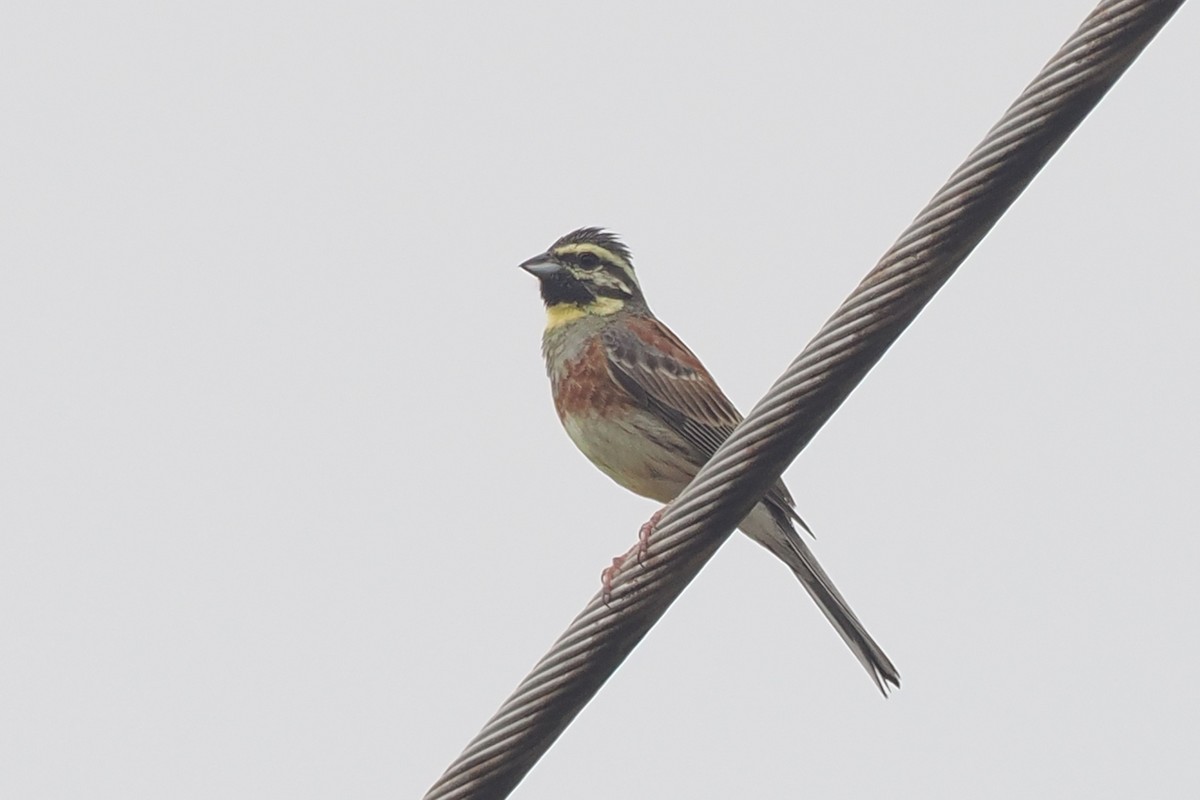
{"x":807,"y":394}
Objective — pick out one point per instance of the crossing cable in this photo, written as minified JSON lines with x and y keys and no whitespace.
{"x":807,"y":394}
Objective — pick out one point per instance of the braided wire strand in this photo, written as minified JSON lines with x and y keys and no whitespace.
{"x":806,"y":395}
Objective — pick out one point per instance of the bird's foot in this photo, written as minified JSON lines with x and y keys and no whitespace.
{"x":646,"y":531}
{"x":609,"y":575}
{"x":638,"y":551}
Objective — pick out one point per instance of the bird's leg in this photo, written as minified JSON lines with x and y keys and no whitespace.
{"x":609,"y":575}
{"x":646,"y":531}
{"x":639,"y":551}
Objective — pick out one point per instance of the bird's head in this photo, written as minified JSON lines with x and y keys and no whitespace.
{"x":587,"y":272}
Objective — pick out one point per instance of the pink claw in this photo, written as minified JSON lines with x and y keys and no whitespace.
{"x":608,"y":575}
{"x":646,"y":531}
{"x":639,"y":550}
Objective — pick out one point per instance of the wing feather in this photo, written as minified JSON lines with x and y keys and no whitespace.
{"x":661,"y":373}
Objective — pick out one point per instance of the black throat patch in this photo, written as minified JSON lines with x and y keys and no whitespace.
{"x":563,"y":288}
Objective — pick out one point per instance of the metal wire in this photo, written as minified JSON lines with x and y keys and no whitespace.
{"x":807,"y":394}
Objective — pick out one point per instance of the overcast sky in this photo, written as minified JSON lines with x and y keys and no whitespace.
{"x":285,"y":510}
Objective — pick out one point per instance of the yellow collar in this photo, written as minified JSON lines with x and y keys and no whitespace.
{"x":565,"y":313}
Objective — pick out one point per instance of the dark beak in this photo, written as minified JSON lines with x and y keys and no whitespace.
{"x":542,"y":267}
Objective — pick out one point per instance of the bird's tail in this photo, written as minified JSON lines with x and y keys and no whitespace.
{"x":772,"y":529}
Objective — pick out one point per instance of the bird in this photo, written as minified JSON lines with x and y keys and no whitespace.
{"x":643,"y":409}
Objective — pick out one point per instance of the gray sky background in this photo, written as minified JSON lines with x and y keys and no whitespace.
{"x":285,"y":510}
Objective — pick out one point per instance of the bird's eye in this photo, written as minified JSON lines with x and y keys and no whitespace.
{"x":589,"y":260}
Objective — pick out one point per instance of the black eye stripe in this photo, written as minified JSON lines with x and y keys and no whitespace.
{"x":617,"y":271}
{"x":600,"y":273}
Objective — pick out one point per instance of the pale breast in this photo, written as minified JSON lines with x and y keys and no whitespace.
{"x":626,"y":442}
{"x":629,"y":449}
